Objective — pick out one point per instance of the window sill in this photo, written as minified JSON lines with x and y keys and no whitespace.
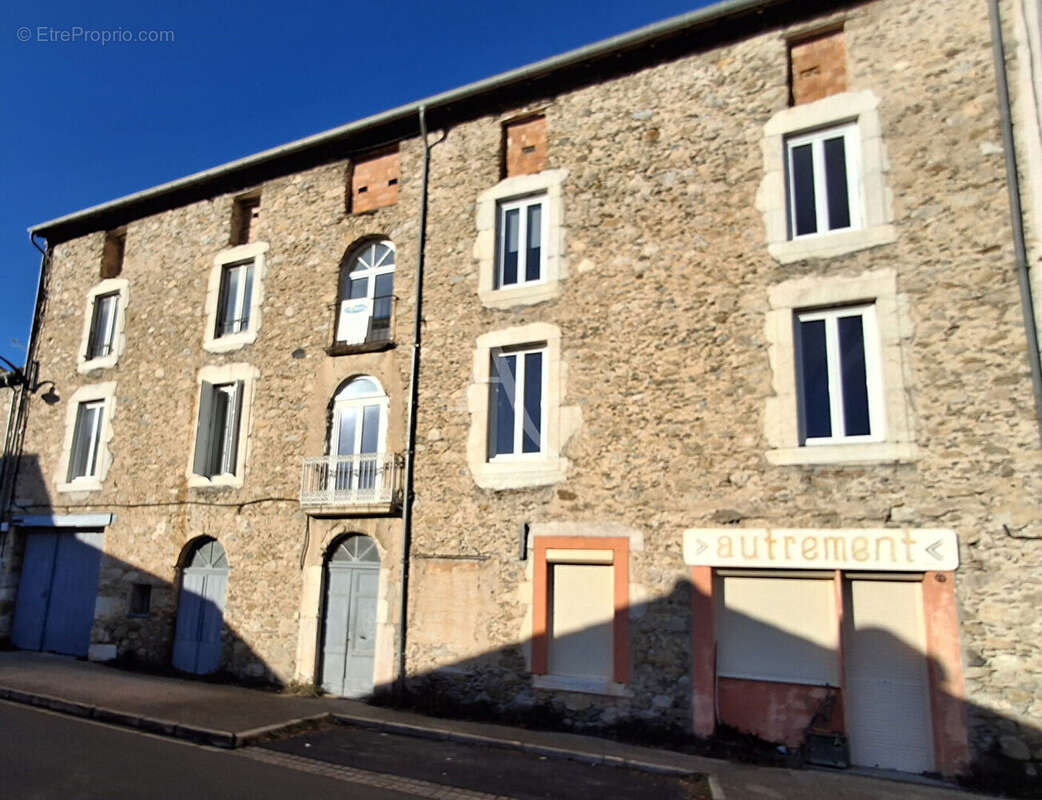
{"x":233,"y":341}
{"x":216,"y":482}
{"x":101,"y":362}
{"x":81,"y":485}
{"x":520,"y":473}
{"x":341,"y":349}
{"x":565,"y":683}
{"x":863,"y":453}
{"x":524,"y":295}
{"x":829,"y":245}
{"x":825,"y":683}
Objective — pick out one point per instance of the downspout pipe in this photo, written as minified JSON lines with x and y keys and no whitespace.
{"x":1016,"y":213}
{"x":410,"y":426}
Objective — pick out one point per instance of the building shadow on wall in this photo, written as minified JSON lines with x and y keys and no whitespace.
{"x":769,"y":715}
{"x":147,"y":622}
{"x":61,"y":592}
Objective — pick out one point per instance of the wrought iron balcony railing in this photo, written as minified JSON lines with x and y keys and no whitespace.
{"x":372,"y":479}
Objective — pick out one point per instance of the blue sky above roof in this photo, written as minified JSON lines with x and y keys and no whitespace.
{"x":90,"y":120}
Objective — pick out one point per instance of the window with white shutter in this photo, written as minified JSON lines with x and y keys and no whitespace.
{"x":217,"y":437}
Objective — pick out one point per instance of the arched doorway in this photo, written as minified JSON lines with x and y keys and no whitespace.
{"x":200,"y":607}
{"x":349,"y":624}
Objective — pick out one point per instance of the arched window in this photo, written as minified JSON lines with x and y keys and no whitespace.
{"x":366,"y":295}
{"x":357,"y":431}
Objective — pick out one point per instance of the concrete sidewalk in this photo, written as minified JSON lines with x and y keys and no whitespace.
{"x":232,"y":716}
{"x":225,"y":716}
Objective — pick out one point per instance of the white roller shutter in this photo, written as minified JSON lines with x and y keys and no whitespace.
{"x":778,"y":629}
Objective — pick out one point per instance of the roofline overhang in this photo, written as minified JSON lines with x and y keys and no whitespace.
{"x":83,"y":220}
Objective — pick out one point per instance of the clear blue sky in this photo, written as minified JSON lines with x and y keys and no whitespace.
{"x":86,"y":122}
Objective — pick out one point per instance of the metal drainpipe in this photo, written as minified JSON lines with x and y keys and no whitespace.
{"x":410,"y":427}
{"x":1016,"y":214}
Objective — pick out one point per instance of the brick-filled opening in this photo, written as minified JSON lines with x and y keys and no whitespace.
{"x":112,"y":253}
{"x":245,"y":218}
{"x":524,"y":146}
{"x":373,"y":181}
{"x":817,"y":67}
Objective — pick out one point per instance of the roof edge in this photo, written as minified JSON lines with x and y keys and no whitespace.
{"x":623,"y":41}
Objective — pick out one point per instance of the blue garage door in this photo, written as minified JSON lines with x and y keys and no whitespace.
{"x":56,"y":591}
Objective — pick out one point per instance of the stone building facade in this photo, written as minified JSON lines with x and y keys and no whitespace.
{"x":621,"y":305}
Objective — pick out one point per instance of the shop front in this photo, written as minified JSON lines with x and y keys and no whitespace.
{"x":844,"y":642}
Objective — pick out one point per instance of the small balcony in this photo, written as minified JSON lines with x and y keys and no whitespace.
{"x":379,"y":333}
{"x":352,"y":485}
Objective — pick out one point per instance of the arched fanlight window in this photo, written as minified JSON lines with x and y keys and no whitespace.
{"x":355,"y":549}
{"x":207,"y":553}
{"x":366,"y":294}
{"x":360,"y":387}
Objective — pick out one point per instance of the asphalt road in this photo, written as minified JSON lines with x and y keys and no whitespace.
{"x":492,"y":770}
{"x":45,"y":755}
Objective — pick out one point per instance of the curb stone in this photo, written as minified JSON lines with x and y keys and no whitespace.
{"x":550,"y":751}
{"x":163,"y":727}
{"x":234,"y":740}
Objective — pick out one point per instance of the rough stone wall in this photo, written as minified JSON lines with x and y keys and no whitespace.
{"x":662,"y":319}
{"x":662,"y":323}
{"x":168,"y":261}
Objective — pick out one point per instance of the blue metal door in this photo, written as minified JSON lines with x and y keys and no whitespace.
{"x":200,"y":611}
{"x":56,"y":592}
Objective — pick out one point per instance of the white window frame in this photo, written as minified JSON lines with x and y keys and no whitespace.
{"x":218,"y":379}
{"x":360,"y":401}
{"x":873,"y":373}
{"x":223,"y":452}
{"x":518,"y":400}
{"x":816,"y":139}
{"x":371,"y":273}
{"x":547,"y":185}
{"x":782,"y":426}
{"x":94,"y":440}
{"x":119,"y":287}
{"x":873,"y":201}
{"x":103,"y":394}
{"x":559,"y":423}
{"x":108,"y":339}
{"x":240,"y":304}
{"x":256,"y":253}
{"x":521,"y":205}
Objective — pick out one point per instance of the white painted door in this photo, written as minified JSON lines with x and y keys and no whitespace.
{"x":887,"y":687}
{"x":349,"y":640}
